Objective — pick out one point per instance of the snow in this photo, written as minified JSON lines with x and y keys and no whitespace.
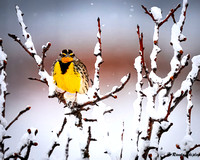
{"x":164,"y":125}
{"x":45,"y":46}
{"x":196,"y":61}
{"x":30,"y":135}
{"x":97,"y":49}
{"x":175,"y":33}
{"x":38,"y":59}
{"x":137,"y":64}
{"x":2,"y":132}
{"x":184,"y":60}
{"x":157,"y":13}
{"x":182,"y":17}
{"x":3,"y":56}
{"x":29,"y":43}
{"x":3,"y":85}
{"x":186,"y":143}
{"x":98,"y":35}
{"x":124,"y":79}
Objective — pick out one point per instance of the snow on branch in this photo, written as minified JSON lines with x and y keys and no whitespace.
{"x":94,"y":95}
{"x":3,"y":122}
{"x":73,"y":110}
{"x":27,"y":141}
{"x":3,"y":94}
{"x":3,"y":89}
{"x":28,"y":46}
{"x":156,"y":121}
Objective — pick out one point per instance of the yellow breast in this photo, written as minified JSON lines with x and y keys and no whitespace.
{"x":69,"y":81}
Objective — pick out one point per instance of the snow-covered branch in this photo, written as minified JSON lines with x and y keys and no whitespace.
{"x":3,"y":62}
{"x":27,"y":141}
{"x":3,"y":93}
{"x":156,"y":120}
{"x":28,"y":46}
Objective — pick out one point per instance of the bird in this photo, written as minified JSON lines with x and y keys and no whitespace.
{"x":70,"y":74}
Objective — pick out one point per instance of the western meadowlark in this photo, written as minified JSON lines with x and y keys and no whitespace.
{"x":70,"y":74}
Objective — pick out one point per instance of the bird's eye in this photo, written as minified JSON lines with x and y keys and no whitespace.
{"x":62,"y":54}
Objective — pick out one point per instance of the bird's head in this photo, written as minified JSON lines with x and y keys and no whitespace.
{"x":67,"y":55}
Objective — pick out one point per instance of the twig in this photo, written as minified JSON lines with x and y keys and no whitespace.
{"x":89,"y":120}
{"x":107,"y":95}
{"x":86,"y":150}
{"x":45,"y":49}
{"x":191,"y":149}
{"x":20,"y":43}
{"x":67,"y":148}
{"x":16,"y":118}
{"x":27,"y":143}
{"x":171,"y":13}
{"x":122,"y":139}
{"x":36,"y":79}
{"x":99,"y":60}
{"x":55,"y":144}
{"x":108,"y":111}
{"x":141,"y":52}
{"x":169,"y":106}
{"x":28,"y":46}
{"x":29,"y":149}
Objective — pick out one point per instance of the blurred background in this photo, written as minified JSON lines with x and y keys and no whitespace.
{"x":73,"y":24}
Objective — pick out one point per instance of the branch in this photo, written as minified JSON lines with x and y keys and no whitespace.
{"x":45,"y":49}
{"x":99,"y":60}
{"x":19,"y":115}
{"x":141,"y":53}
{"x":171,"y":13}
{"x":3,"y":88}
{"x":147,"y":12}
{"x":67,"y":148}
{"x":107,"y":95}
{"x":86,"y":150}
{"x":55,"y":144}
{"x":191,"y":149}
{"x":122,"y":139}
{"x":27,"y":141}
{"x":187,"y":84}
{"x":28,"y":46}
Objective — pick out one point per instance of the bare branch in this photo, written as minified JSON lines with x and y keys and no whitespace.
{"x":19,"y":115}
{"x":171,"y":13}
